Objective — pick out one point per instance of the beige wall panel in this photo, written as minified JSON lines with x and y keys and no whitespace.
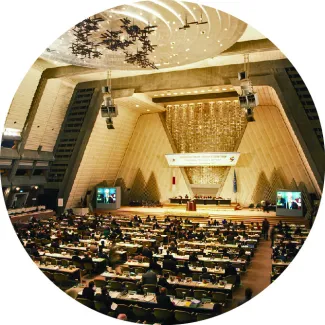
{"x":23,"y":98}
{"x":50,"y":115}
{"x":268,"y":151}
{"x":146,"y":153}
{"x":104,"y":153}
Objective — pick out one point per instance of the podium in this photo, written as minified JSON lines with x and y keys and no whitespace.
{"x":191,"y":206}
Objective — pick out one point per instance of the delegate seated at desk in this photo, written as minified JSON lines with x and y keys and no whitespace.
{"x":149,"y":277}
{"x":163,"y":300}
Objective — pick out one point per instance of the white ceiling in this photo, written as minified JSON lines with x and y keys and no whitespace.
{"x":175,"y":47}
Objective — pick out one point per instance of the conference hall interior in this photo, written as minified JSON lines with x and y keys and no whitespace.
{"x":162,"y":162}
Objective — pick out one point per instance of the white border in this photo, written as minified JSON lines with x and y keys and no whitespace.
{"x":27,"y":27}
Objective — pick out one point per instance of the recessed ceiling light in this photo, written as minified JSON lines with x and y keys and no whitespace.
{"x":218,"y":41}
{"x":220,"y":44}
{"x":208,"y":36}
{"x":110,"y":16}
{"x":188,"y":39}
{"x":187,"y":50}
{"x":202,"y":91}
{"x":177,"y":62}
{"x":154,"y":22}
{"x":195,"y":91}
{"x":174,"y":23}
{"x":217,"y":89}
{"x":189,"y":92}
{"x":204,"y":50}
{"x":155,"y":56}
{"x":140,"y":13}
{"x":148,"y":110}
{"x":168,"y":94}
{"x":224,"y":88}
{"x":136,"y":105}
{"x":226,"y":29}
{"x":194,"y":8}
{"x":175,"y":93}
{"x":209,"y":89}
{"x":123,"y":8}
{"x":172,"y":47}
{"x":231,"y":88}
{"x":176,"y":29}
{"x":182,"y":93}
{"x":186,"y":58}
{"x":155,"y":95}
{"x":163,"y":95}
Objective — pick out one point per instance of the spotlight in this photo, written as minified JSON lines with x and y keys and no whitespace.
{"x":252,"y":100}
{"x":249,"y":114}
{"x":242,"y":75}
{"x":243,"y":101}
{"x":109,"y":124}
{"x":17,"y":188}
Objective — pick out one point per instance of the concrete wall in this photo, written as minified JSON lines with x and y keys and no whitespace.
{"x":50,"y":115}
{"x":270,"y":158}
{"x":144,"y":169}
{"x":104,"y":153}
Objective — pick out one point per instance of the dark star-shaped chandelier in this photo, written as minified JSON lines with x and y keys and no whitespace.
{"x":123,"y":39}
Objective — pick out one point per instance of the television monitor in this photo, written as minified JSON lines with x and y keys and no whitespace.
{"x":108,"y":198}
{"x":106,"y":195}
{"x":289,"y":203}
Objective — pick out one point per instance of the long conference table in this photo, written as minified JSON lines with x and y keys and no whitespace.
{"x":150,"y":300}
{"x":202,"y":201}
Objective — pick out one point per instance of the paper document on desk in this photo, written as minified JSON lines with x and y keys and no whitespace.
{"x":149,"y":298}
{"x":114,"y":294}
{"x":113,"y":306}
{"x":195,"y":301}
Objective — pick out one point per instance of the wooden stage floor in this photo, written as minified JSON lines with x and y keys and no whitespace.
{"x":202,"y":211}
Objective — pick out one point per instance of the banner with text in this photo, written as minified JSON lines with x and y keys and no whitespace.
{"x":203,"y":159}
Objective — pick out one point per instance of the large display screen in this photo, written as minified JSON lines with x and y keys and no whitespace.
{"x":289,"y":203}
{"x":106,"y":195}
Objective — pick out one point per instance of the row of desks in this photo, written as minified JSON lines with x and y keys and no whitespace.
{"x":150,"y":301}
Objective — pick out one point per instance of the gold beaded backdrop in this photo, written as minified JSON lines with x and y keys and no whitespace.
{"x":214,"y":126}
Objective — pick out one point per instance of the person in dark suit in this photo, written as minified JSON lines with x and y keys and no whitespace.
{"x":89,"y":292}
{"x":169,"y":264}
{"x":193,"y":257}
{"x":173,"y":247}
{"x":185,"y":270}
{"x":87,"y":259}
{"x":230,"y":269}
{"x":154,"y":266}
{"x":241,"y":251}
{"x":105,"y":298}
{"x":205,"y":275}
{"x":163,"y":300}
{"x":149,"y":277}
{"x":163,"y":281}
{"x":147,"y":252}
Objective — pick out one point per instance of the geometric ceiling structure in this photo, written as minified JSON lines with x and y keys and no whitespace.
{"x":175,"y":46}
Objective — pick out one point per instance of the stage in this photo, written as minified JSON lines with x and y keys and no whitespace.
{"x":202,"y":211}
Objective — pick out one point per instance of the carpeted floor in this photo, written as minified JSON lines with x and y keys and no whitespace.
{"x":258,"y":273}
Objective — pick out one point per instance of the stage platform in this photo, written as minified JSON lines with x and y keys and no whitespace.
{"x":202,"y":211}
{"x":203,"y":214}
